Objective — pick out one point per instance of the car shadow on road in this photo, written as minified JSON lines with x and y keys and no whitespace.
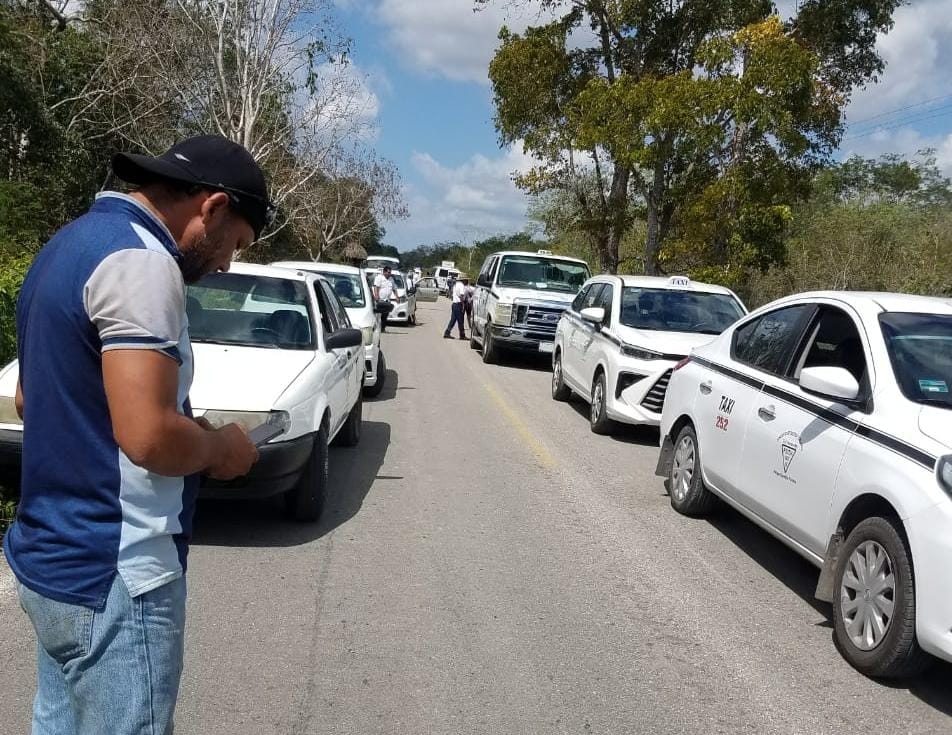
{"x":642,"y":436}
{"x":263,"y":523}
{"x":934,"y":687}
{"x":539,"y":362}
{"x":391,"y":384}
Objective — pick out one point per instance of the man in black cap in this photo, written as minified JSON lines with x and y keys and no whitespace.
{"x":111,"y":453}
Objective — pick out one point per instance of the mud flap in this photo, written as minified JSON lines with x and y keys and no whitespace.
{"x":824,"y":585}
{"x":665,"y":458}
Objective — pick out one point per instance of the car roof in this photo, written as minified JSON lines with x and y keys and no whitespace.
{"x":271,"y":271}
{"x":884,"y":301}
{"x":315,"y":267}
{"x":673,"y":283}
{"x":555,"y":256}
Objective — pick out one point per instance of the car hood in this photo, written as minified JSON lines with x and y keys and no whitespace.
{"x":936,"y":423}
{"x":235,"y":378}
{"x":9,"y":374}
{"x":511,"y":294}
{"x":668,"y":343}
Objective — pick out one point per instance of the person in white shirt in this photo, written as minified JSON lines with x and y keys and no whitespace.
{"x":383,"y":291}
{"x":458,"y":296}
{"x":468,"y":303}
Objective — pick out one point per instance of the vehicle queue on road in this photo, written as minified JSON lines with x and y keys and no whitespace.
{"x":824,"y":417}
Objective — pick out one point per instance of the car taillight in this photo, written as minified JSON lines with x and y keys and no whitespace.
{"x":681,"y":363}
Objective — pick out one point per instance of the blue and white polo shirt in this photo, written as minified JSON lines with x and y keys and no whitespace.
{"x":109,"y":280}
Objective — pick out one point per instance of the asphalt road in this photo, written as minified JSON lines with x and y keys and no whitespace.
{"x":488,"y":565}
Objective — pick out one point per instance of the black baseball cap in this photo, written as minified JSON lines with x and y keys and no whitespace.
{"x":208,"y":161}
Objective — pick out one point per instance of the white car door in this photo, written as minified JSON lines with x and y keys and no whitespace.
{"x":797,"y":440}
{"x":580,"y":340}
{"x":729,"y":388}
{"x":339,"y":383}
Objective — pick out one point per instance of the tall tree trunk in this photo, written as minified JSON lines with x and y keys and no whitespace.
{"x":617,"y":217}
{"x":655,"y":236}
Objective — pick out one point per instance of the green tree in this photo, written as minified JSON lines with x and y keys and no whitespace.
{"x":678,"y":104}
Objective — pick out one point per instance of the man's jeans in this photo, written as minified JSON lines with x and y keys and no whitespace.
{"x":116,"y":671}
{"x":456,"y":317}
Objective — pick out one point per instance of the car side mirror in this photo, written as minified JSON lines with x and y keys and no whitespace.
{"x":343,"y":338}
{"x":593,"y":314}
{"x":835,"y":383}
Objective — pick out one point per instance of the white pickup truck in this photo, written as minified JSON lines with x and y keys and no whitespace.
{"x":519,"y":299}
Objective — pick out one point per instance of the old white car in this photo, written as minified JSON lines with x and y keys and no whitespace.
{"x":616,"y":345}
{"x":270,"y":346}
{"x":826,"y":418}
{"x":350,"y":285}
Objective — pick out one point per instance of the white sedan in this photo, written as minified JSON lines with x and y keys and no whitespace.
{"x":270,"y":346}
{"x":351,"y":286}
{"x":617,"y":344}
{"x":826,"y":418}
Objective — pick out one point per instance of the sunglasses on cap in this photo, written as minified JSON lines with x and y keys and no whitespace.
{"x":260,"y":212}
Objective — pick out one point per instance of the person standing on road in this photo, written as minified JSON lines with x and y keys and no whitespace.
{"x":111,"y":453}
{"x":458,"y":295}
{"x":383,"y":292}
{"x":470,"y":292}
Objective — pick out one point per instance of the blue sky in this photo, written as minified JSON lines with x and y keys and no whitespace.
{"x":424,"y":66}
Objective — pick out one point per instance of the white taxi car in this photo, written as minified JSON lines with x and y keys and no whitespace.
{"x":350,"y":285}
{"x":403,"y":299}
{"x":826,"y":418}
{"x":618,"y":342}
{"x":270,"y":345}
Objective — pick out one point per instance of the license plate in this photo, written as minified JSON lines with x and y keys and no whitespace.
{"x":546,"y":346}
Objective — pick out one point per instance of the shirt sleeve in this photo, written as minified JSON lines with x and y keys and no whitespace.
{"x":136,"y":300}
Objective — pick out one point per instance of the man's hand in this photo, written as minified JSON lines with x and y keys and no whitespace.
{"x":236,"y":454}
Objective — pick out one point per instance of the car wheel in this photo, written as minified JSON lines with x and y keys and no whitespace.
{"x":598,"y":414}
{"x":305,"y":501}
{"x":560,"y":391}
{"x":874,"y":602}
{"x":686,"y":487}
{"x":473,"y":344}
{"x":372,"y":391}
{"x":490,"y":351}
{"x":349,"y":434}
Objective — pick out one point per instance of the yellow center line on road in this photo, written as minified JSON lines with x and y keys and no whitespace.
{"x":538,"y":448}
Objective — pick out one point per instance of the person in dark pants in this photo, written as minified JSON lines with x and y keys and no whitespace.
{"x":383,"y":292}
{"x":468,"y":302}
{"x":458,"y":295}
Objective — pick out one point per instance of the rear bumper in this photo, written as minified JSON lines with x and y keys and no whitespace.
{"x":277,"y":470}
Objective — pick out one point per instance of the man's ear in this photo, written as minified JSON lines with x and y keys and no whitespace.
{"x":214,"y":206}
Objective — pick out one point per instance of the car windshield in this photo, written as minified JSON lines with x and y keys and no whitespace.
{"x":670,"y":310}
{"x":527,"y":271}
{"x":920,"y":350}
{"x":250,"y":310}
{"x":348,"y":289}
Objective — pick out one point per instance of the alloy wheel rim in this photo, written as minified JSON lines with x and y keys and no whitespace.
{"x":597,"y":402}
{"x":682,"y":469}
{"x":556,"y":375}
{"x":868,"y":595}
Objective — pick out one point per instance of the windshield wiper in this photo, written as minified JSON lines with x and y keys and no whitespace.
{"x":933,"y":402}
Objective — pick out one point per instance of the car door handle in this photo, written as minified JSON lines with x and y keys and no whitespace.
{"x":705,"y":387}
{"x":767,"y":413}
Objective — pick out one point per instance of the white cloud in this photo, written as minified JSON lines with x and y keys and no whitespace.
{"x":469,"y":202}
{"x":446,"y":37}
{"x":918,"y":55}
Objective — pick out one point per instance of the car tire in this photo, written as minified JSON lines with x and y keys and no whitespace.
{"x":305,"y":502}
{"x":560,"y":391}
{"x":349,"y":434}
{"x":473,"y":344}
{"x":490,"y":351}
{"x":685,"y":484}
{"x":894,"y":651}
{"x":372,"y":391}
{"x":598,"y":413}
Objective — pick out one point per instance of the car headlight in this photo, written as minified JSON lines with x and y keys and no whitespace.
{"x":8,"y":411}
{"x":640,"y":354}
{"x":249,"y":419}
{"x":944,"y":473}
{"x":368,"y":333}
{"x":502,"y":315}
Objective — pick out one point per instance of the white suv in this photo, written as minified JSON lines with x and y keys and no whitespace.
{"x":519,"y":299}
{"x":615,"y":347}
{"x":826,"y":418}
{"x":350,"y":285}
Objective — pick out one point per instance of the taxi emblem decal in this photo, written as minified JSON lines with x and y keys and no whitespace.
{"x":789,"y":446}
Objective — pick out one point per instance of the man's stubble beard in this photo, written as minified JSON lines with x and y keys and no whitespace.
{"x":197,"y":260}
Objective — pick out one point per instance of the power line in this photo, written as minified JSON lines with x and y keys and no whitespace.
{"x":888,"y":113}
{"x":931,"y":115}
